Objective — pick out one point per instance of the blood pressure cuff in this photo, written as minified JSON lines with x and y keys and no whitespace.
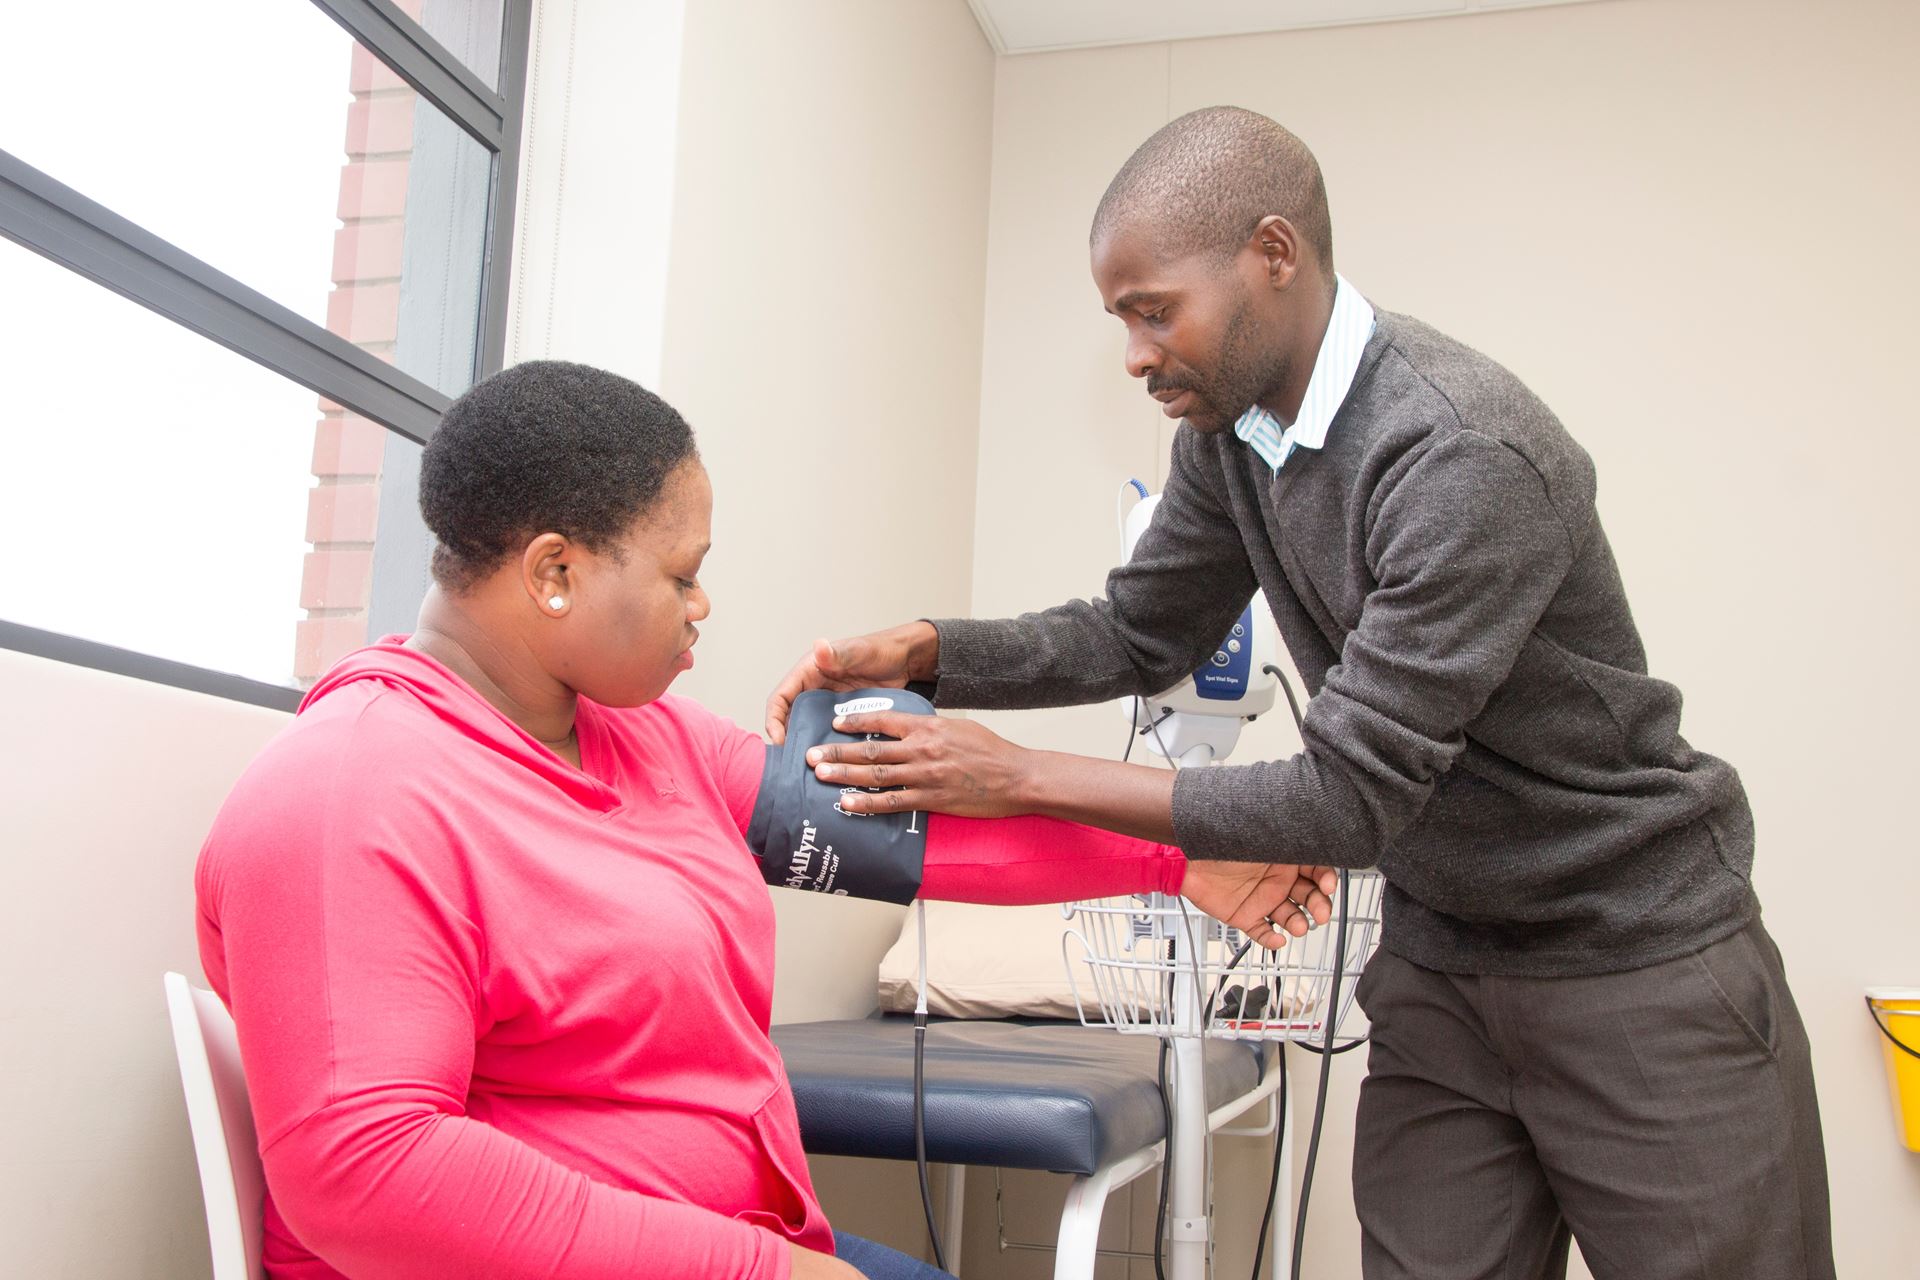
{"x":801,"y":834}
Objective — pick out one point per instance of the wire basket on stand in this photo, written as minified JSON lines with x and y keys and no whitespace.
{"x":1159,"y":967}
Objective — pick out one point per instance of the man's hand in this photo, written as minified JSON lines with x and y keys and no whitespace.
{"x":944,"y":766}
{"x":881,"y":658}
{"x":808,"y":1265}
{"x":1267,"y":901}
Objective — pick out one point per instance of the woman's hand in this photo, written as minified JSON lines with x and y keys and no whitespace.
{"x":1267,"y":901}
{"x":941,"y":765}
{"x":808,"y":1265}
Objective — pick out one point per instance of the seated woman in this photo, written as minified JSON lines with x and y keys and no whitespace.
{"x":499,"y":958}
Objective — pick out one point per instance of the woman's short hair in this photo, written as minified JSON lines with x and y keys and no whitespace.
{"x":546,"y":446}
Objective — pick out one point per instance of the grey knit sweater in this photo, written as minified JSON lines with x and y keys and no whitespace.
{"x":1482,"y":726}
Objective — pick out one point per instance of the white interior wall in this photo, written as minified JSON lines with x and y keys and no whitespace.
{"x":107,"y":788}
{"x":593,"y":223}
{"x":823,"y":337}
{"x":1685,"y":223}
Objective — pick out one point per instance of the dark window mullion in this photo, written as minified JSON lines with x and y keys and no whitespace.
{"x":144,"y":666}
{"x":426,"y":64}
{"x":59,"y":223}
{"x":516,"y":41}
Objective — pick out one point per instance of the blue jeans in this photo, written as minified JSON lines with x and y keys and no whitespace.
{"x":878,"y":1262}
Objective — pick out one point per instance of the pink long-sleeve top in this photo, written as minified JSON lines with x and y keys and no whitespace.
{"x":504,"y":1017}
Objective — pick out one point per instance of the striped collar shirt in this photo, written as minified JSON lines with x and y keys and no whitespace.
{"x":1333,"y":370}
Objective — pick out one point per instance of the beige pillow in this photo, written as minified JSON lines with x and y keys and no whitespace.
{"x":987,"y":962}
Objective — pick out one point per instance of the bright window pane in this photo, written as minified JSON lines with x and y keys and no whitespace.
{"x":257,"y":136}
{"x":470,"y":30}
{"x":160,"y":492}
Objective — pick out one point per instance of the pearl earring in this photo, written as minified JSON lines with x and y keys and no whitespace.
{"x":556,"y":602}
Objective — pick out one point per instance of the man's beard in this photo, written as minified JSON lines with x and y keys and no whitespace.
{"x":1241,"y":375}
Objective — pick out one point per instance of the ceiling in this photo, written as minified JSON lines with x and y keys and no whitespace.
{"x":1035,"y":26}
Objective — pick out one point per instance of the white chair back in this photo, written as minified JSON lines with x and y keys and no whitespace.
{"x":231,"y":1179}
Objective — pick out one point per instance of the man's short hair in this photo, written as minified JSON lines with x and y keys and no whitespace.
{"x":546,"y":446}
{"x":1204,"y":182}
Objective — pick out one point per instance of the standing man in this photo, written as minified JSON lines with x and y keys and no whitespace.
{"x":1579,"y":1023}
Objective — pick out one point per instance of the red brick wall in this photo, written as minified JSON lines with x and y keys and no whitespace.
{"x":364,"y":309}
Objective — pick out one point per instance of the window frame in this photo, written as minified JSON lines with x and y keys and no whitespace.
{"x":51,"y":219}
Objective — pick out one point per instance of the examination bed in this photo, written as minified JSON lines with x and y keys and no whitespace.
{"x":1021,"y":1095}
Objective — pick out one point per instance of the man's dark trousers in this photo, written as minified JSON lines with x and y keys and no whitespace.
{"x":1664,"y":1116}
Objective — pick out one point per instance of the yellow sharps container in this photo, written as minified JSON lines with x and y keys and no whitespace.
{"x":1896,"y":1011}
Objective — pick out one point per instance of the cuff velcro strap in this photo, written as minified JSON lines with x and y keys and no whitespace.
{"x":805,"y":839}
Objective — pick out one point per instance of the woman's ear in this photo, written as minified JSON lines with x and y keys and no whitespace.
{"x":546,"y":574}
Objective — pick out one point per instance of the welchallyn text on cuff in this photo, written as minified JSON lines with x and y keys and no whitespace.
{"x":805,"y":838}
